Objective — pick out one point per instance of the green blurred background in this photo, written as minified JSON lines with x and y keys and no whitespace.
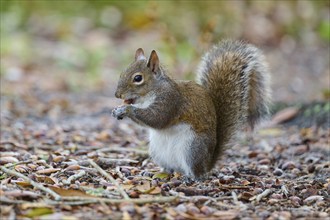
{"x":82,"y":46}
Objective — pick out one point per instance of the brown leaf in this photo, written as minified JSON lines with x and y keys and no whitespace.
{"x":295,"y":200}
{"x":207,"y":210}
{"x":127,"y":186}
{"x":226,"y":215}
{"x":48,"y":171}
{"x":25,"y":206}
{"x":5,"y":160}
{"x":192,"y":209}
{"x":134,"y":194}
{"x":312,"y":199}
{"x":285,"y":115}
{"x":246,"y":196}
{"x":301,"y":149}
{"x":46,"y":179}
{"x":32,"y":166}
{"x":103,"y":135}
{"x":155,"y":191}
{"x":21,"y":193}
{"x":289,"y":165}
{"x":144,"y":186}
{"x":22,"y":183}
{"x":58,"y":159}
{"x":245,"y":182}
{"x":69,"y":192}
{"x":73,"y":167}
{"x":22,"y":168}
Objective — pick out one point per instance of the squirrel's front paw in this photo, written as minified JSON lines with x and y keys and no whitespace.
{"x":119,"y":112}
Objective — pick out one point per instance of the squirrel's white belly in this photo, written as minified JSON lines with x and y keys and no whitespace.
{"x":168,"y":147}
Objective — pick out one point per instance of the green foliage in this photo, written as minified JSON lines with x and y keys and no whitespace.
{"x":324,"y":30}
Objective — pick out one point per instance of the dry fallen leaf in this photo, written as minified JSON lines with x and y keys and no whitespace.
{"x":46,"y":179}
{"x":143,"y":186}
{"x":285,"y":115}
{"x":226,"y":215}
{"x":22,"y":183}
{"x":155,"y":191}
{"x":48,"y":171}
{"x":39,"y":211}
{"x":21,"y":193}
{"x":70,"y":192}
{"x":5,"y":160}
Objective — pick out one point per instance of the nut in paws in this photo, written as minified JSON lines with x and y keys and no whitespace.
{"x":119,"y":112}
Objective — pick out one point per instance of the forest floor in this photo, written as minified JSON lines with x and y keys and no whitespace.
{"x":64,"y":157}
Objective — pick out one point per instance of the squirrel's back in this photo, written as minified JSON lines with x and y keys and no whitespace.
{"x":237,"y":78}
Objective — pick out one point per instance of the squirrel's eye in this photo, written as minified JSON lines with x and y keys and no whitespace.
{"x":137,"y":78}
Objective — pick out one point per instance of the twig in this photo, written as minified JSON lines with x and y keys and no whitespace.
{"x":119,"y":188}
{"x":233,"y":187}
{"x":262,"y":195}
{"x":191,"y":198}
{"x":234,"y":195}
{"x":238,"y":203}
{"x":35,"y":184}
{"x":14,"y":144}
{"x":284,"y":190}
{"x":73,"y":177}
{"x":122,"y":149}
{"x":75,"y":200}
{"x":88,"y":169}
{"x":18,"y":163}
{"x":116,"y":160}
{"x":222,"y":204}
{"x":101,"y":161}
{"x":116,"y":201}
{"x":223,"y":198}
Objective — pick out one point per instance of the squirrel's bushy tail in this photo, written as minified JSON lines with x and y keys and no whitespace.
{"x":237,"y":78}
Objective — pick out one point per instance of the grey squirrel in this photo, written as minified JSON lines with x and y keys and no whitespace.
{"x":191,"y":123}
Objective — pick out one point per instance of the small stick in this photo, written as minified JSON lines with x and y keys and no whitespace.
{"x":223,"y":198}
{"x":284,"y":190}
{"x":236,"y":202}
{"x":83,"y":201}
{"x":192,"y":198}
{"x":101,"y":161}
{"x":122,"y":149}
{"x":263,"y":194}
{"x":116,"y":160}
{"x":18,"y":163}
{"x":14,"y":144}
{"x":233,"y":187}
{"x":119,"y":188}
{"x":234,"y":195}
{"x":33,"y":183}
{"x":116,"y":201}
{"x":222,"y":204}
{"x":74,"y":177}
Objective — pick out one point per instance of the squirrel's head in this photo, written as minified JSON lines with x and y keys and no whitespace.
{"x":139,"y":78}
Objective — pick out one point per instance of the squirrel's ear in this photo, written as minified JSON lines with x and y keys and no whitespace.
{"x":153,"y":62}
{"x":139,"y":55}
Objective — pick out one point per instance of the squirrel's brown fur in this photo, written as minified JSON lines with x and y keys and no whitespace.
{"x":191,"y":124}
{"x":237,"y":78}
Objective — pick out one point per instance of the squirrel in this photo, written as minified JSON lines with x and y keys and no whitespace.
{"x":190,"y":123}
